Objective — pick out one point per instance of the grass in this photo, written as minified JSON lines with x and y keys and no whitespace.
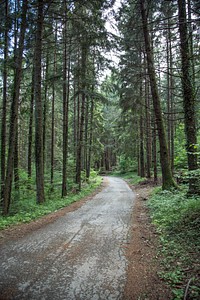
{"x":177,"y":218}
{"x":132,"y":177}
{"x":25,"y":209}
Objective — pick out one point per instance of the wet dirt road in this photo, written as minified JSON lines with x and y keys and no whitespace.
{"x":79,"y":256}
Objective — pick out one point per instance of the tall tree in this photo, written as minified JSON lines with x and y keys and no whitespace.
{"x":188,"y":99}
{"x":14,"y":112}
{"x":167,"y":178}
{"x":4,"y":107}
{"x":39,"y":155}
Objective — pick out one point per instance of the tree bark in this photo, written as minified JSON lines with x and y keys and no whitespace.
{"x":188,"y":99}
{"x":65,"y":109}
{"x":167,"y":179}
{"x":39,"y":163}
{"x":30,"y":131}
{"x":82,"y":117}
{"x":14,"y":110}
{"x":4,"y":107}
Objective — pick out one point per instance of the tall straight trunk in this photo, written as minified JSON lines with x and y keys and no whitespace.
{"x":170,"y":85}
{"x":14,"y":110}
{"x":90,"y":137}
{"x":39,"y":163}
{"x":4,"y":107}
{"x":188,"y":99}
{"x":86,"y":133}
{"x":82,"y":116}
{"x":16,"y":160}
{"x":52,"y":133}
{"x":30,"y":131}
{"x":191,"y":46}
{"x":74,"y":120}
{"x":154,"y":148}
{"x":167,"y":179}
{"x":171,"y":88}
{"x":65,"y":110}
{"x":45,"y":106}
{"x":53,"y":111}
{"x":148,"y":129}
{"x":142,"y":164}
{"x":168,"y":99}
{"x":142,"y":168}
{"x":16,"y":152}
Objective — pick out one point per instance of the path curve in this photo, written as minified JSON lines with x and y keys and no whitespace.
{"x":79,"y":256}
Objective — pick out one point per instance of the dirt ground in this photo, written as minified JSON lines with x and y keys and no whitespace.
{"x":143,"y":282}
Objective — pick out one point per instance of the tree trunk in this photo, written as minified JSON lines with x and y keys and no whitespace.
{"x":155,"y":171}
{"x":30,"y":131}
{"x":39,"y":163}
{"x":45,"y":107}
{"x":188,"y":99}
{"x":90,"y":138}
{"x":65,"y":109}
{"x":4,"y":107}
{"x":167,"y":179}
{"x":142,"y":168}
{"x":82,"y":117}
{"x":14,"y":110}
{"x":148,"y":129}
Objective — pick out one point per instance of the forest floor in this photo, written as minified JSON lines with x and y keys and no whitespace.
{"x":142,"y":282}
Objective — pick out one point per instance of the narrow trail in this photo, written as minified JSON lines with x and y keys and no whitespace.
{"x":79,"y":256}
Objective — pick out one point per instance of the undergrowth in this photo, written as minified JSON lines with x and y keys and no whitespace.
{"x":24,"y":208}
{"x":132,"y":177}
{"x":177,"y":218}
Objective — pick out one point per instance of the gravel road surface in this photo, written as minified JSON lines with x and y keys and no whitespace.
{"x":79,"y":256}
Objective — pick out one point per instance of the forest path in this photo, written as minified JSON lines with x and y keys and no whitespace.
{"x":81,"y":255}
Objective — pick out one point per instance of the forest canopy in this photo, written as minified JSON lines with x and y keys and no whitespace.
{"x":67,"y":110}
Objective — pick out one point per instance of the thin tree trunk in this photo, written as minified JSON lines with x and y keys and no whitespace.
{"x":39,"y":163}
{"x":86,"y":134}
{"x":90,"y":138}
{"x":167,"y":179}
{"x":45,"y":107}
{"x":65,"y":110}
{"x":82,"y":117}
{"x":16,"y":160}
{"x":30,"y":131}
{"x":14,"y":110}
{"x":188,"y":99}
{"x":4,"y":108}
{"x":148,"y":129}
{"x":155,"y":171}
{"x":142,"y":168}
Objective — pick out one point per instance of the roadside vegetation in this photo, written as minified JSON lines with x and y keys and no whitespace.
{"x":177,"y":220}
{"x":24,"y":209}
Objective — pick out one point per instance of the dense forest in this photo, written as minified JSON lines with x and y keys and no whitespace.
{"x":94,"y":86}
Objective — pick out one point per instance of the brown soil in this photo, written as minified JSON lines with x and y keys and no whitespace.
{"x":143,"y":282}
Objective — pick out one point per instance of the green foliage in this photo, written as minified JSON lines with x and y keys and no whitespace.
{"x":177,"y":219}
{"x":25,"y":209}
{"x":131,"y":177}
{"x":180,"y":159}
{"x":126,"y":164}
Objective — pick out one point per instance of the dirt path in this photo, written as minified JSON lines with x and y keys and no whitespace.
{"x":143,"y":282}
{"x":81,"y":255}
